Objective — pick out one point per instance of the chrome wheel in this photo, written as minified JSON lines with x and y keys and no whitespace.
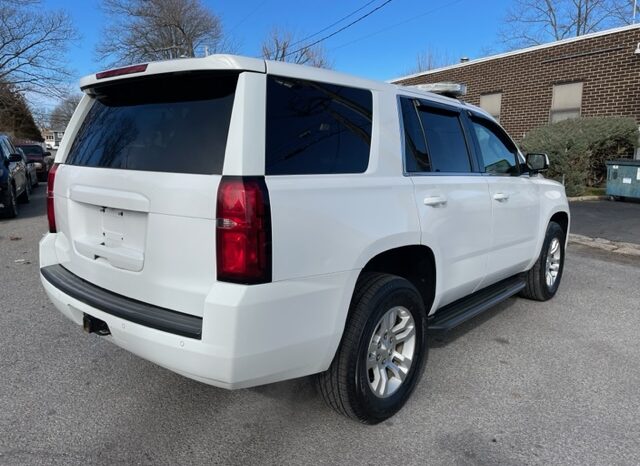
{"x":553,"y":262}
{"x":391,"y":351}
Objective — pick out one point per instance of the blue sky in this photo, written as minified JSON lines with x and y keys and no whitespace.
{"x":382,"y":46}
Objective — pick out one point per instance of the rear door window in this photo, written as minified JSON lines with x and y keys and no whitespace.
{"x":316,"y":128}
{"x":446,"y":143}
{"x":167,"y":123}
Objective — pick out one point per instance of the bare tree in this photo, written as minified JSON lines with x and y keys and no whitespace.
{"x":62,"y":113}
{"x":147,"y":30}
{"x":282,"y":46}
{"x":430,"y":59}
{"x":533,"y":22}
{"x":33,"y":44}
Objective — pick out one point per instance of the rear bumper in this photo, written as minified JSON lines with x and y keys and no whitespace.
{"x":251,"y":335}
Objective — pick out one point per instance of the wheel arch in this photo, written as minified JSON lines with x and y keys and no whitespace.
{"x":561,"y":218}
{"x":415,"y":263}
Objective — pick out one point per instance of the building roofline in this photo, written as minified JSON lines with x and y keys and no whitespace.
{"x":518,"y":52}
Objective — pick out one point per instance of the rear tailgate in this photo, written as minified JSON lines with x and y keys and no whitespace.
{"x":135,"y":197}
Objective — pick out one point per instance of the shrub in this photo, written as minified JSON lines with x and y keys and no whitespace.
{"x":579,"y":148}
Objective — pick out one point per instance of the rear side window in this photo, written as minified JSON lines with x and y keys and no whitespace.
{"x":446,"y":142}
{"x":316,"y":128}
{"x":166,"y":123}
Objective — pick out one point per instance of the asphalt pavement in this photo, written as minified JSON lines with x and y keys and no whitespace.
{"x":612,"y":220}
{"x":525,"y":383}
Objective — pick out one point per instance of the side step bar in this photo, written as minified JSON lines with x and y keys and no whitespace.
{"x":460,"y":311}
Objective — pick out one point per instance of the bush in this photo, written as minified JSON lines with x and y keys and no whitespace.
{"x":579,"y":148}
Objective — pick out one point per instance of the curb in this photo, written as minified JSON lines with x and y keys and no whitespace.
{"x":589,"y":198}
{"x":628,"y":249}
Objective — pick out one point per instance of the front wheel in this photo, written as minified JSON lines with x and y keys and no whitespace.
{"x":382,"y":353}
{"x":10,"y":204}
{"x":543,"y":280}
{"x":24,"y":197}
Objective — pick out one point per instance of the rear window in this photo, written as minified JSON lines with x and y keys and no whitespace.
{"x":167,"y":123}
{"x":32,"y":150}
{"x":316,"y":128}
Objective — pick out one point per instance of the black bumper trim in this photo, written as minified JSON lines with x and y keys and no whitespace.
{"x":121,"y":306}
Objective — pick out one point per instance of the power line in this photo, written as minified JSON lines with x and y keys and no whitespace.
{"x":247,"y":16}
{"x":400,"y":23}
{"x":339,"y":30}
{"x":333,"y":24}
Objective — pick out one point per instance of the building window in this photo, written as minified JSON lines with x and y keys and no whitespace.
{"x":566,"y":101}
{"x":492,"y":103}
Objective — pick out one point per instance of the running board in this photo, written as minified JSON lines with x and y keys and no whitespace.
{"x":460,"y":311}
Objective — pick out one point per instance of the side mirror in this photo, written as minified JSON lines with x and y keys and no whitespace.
{"x":537,"y":162}
{"x":15,"y":158}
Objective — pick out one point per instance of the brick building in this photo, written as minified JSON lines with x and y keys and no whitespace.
{"x":591,"y":75}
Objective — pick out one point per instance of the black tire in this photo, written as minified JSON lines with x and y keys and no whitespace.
{"x":10,"y":204}
{"x":537,"y":287}
{"x":24,"y":197}
{"x":345,"y":385}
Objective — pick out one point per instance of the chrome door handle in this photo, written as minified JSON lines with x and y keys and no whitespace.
{"x":501,"y":197}
{"x":435,"y":201}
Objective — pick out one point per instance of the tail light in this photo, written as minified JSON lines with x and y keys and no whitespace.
{"x":243,"y":231}
{"x":51,"y":213}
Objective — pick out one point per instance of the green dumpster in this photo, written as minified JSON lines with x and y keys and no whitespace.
{"x":623,"y":178}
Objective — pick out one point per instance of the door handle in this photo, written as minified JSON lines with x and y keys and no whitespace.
{"x":501,"y":197}
{"x":435,"y":201}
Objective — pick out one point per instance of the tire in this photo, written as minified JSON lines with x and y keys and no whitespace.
{"x":10,"y":205}
{"x":24,"y":197}
{"x":537,"y":286}
{"x":348,"y":385}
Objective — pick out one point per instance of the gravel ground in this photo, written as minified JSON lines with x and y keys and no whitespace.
{"x":525,"y":383}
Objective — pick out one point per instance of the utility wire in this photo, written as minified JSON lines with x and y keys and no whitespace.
{"x":333,"y":24}
{"x":400,"y":23}
{"x":357,"y":20}
{"x":247,"y":16}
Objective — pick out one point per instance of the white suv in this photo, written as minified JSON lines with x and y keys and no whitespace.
{"x":242,"y":221}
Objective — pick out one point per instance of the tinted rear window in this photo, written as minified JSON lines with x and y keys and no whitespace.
{"x":445,"y":141}
{"x":32,"y":150}
{"x":168,"y":123}
{"x":316,"y":128}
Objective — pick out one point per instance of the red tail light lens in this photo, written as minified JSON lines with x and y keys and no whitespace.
{"x":243,"y":231}
{"x":51,"y":213}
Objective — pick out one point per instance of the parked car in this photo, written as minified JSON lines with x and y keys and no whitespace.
{"x":241,"y":222}
{"x":14,"y":184}
{"x":41,"y":158}
{"x":32,"y":173}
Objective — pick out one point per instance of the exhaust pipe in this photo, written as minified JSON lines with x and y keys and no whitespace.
{"x":93,"y":325}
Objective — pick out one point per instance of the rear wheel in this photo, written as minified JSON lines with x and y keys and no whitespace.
{"x":382,"y":353}
{"x":544,"y":277}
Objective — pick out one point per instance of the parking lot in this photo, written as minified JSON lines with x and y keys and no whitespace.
{"x":526,"y":383}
